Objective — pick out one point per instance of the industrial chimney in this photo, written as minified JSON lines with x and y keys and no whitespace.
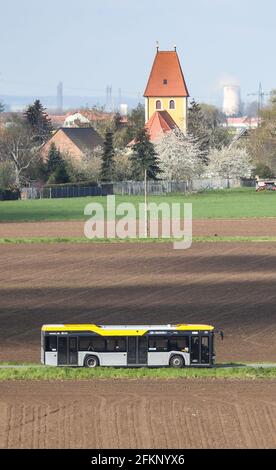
{"x":231,"y":100}
{"x":60,"y":97}
{"x":123,"y":109}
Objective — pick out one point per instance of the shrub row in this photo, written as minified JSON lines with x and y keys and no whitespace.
{"x":9,"y":194}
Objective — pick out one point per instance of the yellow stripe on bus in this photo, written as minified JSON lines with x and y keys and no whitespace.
{"x":95,"y":329}
{"x":195,"y":327}
{"x":124,"y":332}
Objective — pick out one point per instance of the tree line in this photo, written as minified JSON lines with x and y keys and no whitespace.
{"x":207,"y":149}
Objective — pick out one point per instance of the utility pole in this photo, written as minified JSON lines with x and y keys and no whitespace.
{"x":260,"y":94}
{"x":146,"y":205}
{"x":108,"y":104}
{"x":119,"y":98}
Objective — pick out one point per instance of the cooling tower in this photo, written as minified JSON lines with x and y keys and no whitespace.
{"x":231,"y":100}
{"x":123,"y":109}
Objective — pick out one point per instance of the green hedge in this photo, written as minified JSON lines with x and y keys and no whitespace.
{"x":72,"y":185}
{"x":9,"y":194}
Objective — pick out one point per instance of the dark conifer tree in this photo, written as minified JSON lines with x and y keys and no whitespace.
{"x":117,"y":122}
{"x":54,"y":160}
{"x":61,"y":174}
{"x":198,"y":129}
{"x":39,"y":122}
{"x":107,"y":158}
{"x":144,"y":157}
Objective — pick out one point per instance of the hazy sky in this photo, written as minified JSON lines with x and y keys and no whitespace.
{"x":89,"y":44}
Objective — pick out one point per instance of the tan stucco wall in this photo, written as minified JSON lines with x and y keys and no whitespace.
{"x":179,"y":114}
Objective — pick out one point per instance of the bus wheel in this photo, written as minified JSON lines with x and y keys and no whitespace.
{"x":91,"y":361}
{"x":177,"y":361}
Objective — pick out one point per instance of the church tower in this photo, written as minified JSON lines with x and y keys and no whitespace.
{"x":166,"y":89}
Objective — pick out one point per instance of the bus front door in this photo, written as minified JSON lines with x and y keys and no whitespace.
{"x":194,"y":350}
{"x":67,"y":350}
{"x":137,"y":351}
{"x":200,"y":350}
{"x":205,"y":350}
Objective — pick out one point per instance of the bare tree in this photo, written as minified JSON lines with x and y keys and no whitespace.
{"x":7,"y":177}
{"x":16,"y":146}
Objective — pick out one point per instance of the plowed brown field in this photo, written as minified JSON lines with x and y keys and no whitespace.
{"x":138,"y":414}
{"x":201,"y":227}
{"x":232,"y":286}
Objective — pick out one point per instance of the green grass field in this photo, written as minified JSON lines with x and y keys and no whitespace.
{"x":67,"y":373}
{"x":207,"y":239}
{"x":232,"y":203}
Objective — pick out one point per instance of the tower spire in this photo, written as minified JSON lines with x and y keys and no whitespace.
{"x":157,"y":46}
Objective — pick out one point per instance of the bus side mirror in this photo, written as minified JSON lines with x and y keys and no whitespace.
{"x":220,"y":333}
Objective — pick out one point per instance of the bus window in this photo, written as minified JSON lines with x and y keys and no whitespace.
{"x":179,"y":343}
{"x":158,"y":343}
{"x":115,"y":345}
{"x":89,"y":343}
{"x":50,"y":343}
{"x":84,"y":343}
{"x":97,"y":344}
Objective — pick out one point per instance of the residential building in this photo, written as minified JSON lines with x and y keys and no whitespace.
{"x":76,"y":141}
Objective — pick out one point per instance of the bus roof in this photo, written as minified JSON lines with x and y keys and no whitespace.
{"x":125,"y":330}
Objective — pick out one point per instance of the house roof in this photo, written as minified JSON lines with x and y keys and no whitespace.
{"x":57,"y":119}
{"x":75,"y":117}
{"x":166,"y":77}
{"x":159,"y":123}
{"x":83,"y":137}
{"x":242,"y":120}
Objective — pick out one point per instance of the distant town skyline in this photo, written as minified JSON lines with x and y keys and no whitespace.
{"x":89,"y":45}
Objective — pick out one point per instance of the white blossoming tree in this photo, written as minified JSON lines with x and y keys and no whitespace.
{"x":229,"y":163}
{"x":180,"y":156}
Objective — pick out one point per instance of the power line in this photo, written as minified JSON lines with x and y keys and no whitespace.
{"x":102,"y":92}
{"x":260,"y":94}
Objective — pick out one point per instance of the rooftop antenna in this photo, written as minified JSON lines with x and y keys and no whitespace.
{"x":157,"y":46}
{"x":174,"y":47}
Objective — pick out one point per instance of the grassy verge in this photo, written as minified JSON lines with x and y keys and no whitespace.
{"x":204,"y":239}
{"x":231,"y":203}
{"x":66,"y":373}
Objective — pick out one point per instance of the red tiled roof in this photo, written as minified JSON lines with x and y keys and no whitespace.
{"x":94,"y":115}
{"x":242,"y":120}
{"x":159,"y":123}
{"x":166,"y":77}
{"x":57,"y":119}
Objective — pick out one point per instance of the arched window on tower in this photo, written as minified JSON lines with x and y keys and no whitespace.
{"x":158,"y":104}
{"x":172,"y":104}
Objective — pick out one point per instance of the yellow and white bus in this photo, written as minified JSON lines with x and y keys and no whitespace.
{"x":88,"y":345}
